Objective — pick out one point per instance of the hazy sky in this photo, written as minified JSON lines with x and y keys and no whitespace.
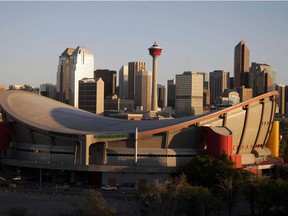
{"x":197,"y":36}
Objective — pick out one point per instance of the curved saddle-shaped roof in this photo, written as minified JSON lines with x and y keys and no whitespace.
{"x":48,"y":115}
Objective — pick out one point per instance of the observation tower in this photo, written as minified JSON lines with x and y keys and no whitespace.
{"x":154,"y":51}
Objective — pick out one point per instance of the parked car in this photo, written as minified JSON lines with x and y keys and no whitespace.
{"x":17,"y":178}
{"x":108,"y":187}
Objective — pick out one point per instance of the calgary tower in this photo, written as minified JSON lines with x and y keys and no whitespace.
{"x":154,"y":51}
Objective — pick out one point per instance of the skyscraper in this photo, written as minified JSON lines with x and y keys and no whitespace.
{"x":161,"y":90}
{"x":91,"y":95}
{"x":133,"y":67}
{"x":171,"y":89}
{"x":245,"y":94}
{"x":81,"y":66}
{"x":48,"y":90}
{"x":189,"y":94}
{"x":123,"y":82}
{"x":241,"y":65}
{"x":263,"y":78}
{"x":109,"y":79}
{"x":281,"y":99}
{"x":219,"y":81}
{"x":143,"y":90}
{"x":206,"y":100}
{"x":63,"y":76}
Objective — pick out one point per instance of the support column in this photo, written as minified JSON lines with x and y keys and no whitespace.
{"x":40,"y":176}
{"x":167,"y":146}
{"x":136,"y":145}
{"x":104,"y":153}
{"x":83,"y":152}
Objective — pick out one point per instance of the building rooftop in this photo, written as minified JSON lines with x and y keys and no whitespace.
{"x":51,"y":116}
{"x":68,"y":51}
{"x":82,"y":48}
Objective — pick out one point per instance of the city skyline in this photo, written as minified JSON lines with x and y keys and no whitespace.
{"x":195,"y":36}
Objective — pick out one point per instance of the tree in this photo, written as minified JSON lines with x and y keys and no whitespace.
{"x":197,"y":200}
{"x":177,"y":197}
{"x":228,"y":192}
{"x":92,"y":204}
{"x":251,"y":190}
{"x":279,"y":171}
{"x":272,"y":197}
{"x":207,"y":171}
{"x":283,"y":142}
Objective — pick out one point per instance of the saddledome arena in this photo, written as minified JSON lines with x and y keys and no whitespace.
{"x":43,"y":134}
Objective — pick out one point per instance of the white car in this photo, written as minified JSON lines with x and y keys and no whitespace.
{"x":108,"y":187}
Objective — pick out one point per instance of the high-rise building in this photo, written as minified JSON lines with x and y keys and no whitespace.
{"x":161,"y":90}
{"x":171,"y":89}
{"x":123,"y":82}
{"x":109,"y":79}
{"x":263,"y":78}
{"x":91,"y":95}
{"x":48,"y":90}
{"x":133,"y":67}
{"x":205,"y":80}
{"x":63,"y":76}
{"x":219,"y":81}
{"x":115,"y":103}
{"x":81,"y":66}
{"x":206,"y":100}
{"x":241,"y":65}
{"x":281,"y":98}
{"x":143,"y":90}
{"x":189,"y":94}
{"x":245,"y":93}
{"x":231,"y":86}
{"x":74,"y":65}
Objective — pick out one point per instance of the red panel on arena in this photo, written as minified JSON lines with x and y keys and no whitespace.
{"x":6,"y":131}
{"x":218,"y":141}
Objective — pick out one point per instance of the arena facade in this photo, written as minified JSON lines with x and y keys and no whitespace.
{"x":44,"y":134}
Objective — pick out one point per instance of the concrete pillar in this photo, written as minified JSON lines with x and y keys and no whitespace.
{"x":136,"y":145}
{"x":84,"y":153}
{"x":40,"y":177}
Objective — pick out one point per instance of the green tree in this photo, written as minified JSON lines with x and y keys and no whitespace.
{"x":252,"y":189}
{"x":207,"y":171}
{"x":228,"y":192}
{"x":197,"y":200}
{"x":279,"y":171}
{"x":272,"y":197}
{"x":283,"y":151}
{"x":177,"y":197}
{"x":92,"y":204}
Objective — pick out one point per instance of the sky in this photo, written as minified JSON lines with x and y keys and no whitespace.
{"x":195,"y":36}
